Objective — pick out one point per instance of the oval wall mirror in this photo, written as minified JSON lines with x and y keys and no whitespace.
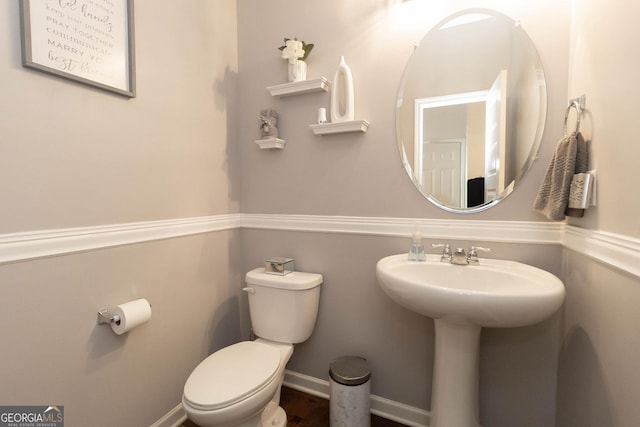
{"x":471,"y":110}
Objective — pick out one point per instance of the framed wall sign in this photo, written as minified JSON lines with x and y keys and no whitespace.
{"x":89,"y":41}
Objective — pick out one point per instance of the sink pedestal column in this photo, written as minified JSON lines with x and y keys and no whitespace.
{"x":454,"y":394}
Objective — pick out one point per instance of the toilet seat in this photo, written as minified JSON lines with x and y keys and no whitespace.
{"x":231,"y":375}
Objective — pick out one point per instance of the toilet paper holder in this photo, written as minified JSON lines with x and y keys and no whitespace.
{"x":105,"y":317}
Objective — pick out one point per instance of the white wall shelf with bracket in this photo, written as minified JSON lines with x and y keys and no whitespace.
{"x":340,"y":127}
{"x":271,"y":143}
{"x":320,"y":84}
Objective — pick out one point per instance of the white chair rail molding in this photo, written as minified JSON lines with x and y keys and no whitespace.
{"x":619,"y":251}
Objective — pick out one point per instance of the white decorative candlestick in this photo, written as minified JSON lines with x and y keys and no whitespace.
{"x":322,"y":115}
{"x":342,"y":104}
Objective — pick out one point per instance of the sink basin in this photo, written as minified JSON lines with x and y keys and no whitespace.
{"x":496,"y":293}
{"x":462,"y":299}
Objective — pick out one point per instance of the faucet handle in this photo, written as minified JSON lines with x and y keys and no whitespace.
{"x":472,"y":256}
{"x":446,"y":251}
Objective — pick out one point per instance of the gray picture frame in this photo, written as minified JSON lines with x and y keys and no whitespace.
{"x":87,"y":41}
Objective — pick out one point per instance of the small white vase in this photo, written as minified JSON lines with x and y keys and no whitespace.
{"x":342,"y":103}
{"x":297,"y":71}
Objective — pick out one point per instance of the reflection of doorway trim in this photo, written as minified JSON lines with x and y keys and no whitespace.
{"x":422,"y":104}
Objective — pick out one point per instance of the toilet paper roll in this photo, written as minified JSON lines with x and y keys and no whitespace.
{"x":131,"y":314}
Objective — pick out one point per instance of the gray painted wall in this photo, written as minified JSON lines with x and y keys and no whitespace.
{"x":73,"y":156}
{"x":599,"y":362}
{"x":584,"y":50}
{"x":54,"y":353}
{"x":366,"y":176}
{"x":361,"y":175}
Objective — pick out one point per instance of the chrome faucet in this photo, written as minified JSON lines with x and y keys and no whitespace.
{"x":472,"y":256}
{"x":446,"y":252}
{"x":459,"y":256}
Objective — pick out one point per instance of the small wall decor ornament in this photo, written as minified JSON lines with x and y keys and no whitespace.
{"x":269,"y":123}
{"x":342,"y":96}
{"x":296,"y":52}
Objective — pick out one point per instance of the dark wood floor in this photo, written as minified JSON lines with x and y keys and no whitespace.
{"x":305,"y":410}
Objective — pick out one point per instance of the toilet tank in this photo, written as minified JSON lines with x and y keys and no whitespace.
{"x":283,"y":308}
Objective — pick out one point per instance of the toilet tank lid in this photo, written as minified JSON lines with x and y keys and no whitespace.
{"x":296,"y":280}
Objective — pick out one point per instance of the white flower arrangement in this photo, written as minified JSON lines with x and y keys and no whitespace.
{"x":294,"y":50}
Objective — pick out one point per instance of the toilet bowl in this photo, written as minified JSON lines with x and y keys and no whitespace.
{"x":239,"y":385}
{"x":234,"y":386}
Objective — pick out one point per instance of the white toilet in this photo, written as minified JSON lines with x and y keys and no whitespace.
{"x":240,"y":385}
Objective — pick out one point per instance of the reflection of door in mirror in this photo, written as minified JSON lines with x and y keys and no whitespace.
{"x":444,"y":170}
{"x":450,"y":145}
{"x":496,"y":137}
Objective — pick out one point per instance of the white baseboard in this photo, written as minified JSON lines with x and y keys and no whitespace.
{"x":385,"y":408}
{"x":380,"y":406}
{"x":173,"y":418}
{"x":306,"y":384}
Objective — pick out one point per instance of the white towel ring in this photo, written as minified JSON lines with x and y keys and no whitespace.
{"x":579,"y":104}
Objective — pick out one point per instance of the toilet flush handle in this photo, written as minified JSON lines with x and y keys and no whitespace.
{"x":249,"y":290}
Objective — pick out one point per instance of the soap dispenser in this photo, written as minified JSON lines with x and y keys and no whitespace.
{"x":416,"y":252}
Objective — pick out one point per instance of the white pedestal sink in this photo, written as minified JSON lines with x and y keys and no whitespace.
{"x":462,"y":300}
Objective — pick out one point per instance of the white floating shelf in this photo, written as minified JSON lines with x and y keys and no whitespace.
{"x":341,"y":127}
{"x":298,"y":88}
{"x":271,"y":143}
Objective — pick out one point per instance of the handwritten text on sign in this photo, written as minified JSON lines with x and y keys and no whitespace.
{"x":85,"y":38}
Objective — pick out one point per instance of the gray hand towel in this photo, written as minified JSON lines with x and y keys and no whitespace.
{"x":570,"y":157}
